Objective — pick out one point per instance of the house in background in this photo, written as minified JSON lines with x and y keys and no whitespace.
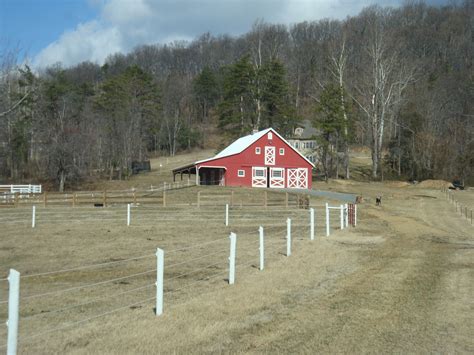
{"x":304,"y":140}
{"x":261,"y":159}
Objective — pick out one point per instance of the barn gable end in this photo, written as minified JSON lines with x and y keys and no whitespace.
{"x":262,"y":159}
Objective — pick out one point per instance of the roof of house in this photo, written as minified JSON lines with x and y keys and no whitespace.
{"x":308,"y":131}
{"x":243,"y":143}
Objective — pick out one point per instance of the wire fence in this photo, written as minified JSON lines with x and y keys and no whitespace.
{"x":61,"y":297}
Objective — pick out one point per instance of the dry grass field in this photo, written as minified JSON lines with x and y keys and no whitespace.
{"x":400,"y":282}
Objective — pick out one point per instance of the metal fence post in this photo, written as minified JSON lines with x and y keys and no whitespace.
{"x":233,"y":244}
{"x":128,"y":214}
{"x":33,"y":217}
{"x":327,"y":219}
{"x":311,"y":223}
{"x":226,"y":214}
{"x":160,"y":265}
{"x":262,"y":246}
{"x":13,"y":311}
{"x":288,"y":237}
{"x":342,"y":216}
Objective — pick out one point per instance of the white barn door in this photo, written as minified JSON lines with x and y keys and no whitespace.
{"x":277,"y":177}
{"x":269,"y":155}
{"x":297,"y":178}
{"x":259,"y":177}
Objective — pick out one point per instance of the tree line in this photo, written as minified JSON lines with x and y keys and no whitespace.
{"x":397,"y":80}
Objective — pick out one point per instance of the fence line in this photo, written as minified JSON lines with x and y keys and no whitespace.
{"x":247,"y":248}
{"x":462,"y":208}
{"x":86,"y":286}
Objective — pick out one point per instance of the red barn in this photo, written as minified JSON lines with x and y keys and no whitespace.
{"x":261,"y":159}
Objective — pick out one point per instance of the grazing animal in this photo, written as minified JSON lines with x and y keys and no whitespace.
{"x":378,"y":201}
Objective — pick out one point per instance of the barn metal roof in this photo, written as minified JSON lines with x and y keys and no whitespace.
{"x":239,"y":145}
{"x":243,"y":143}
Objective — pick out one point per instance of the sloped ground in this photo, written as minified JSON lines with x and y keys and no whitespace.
{"x":401,"y":282}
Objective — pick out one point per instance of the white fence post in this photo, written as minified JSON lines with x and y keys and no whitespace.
{"x":128,"y":214}
{"x":33,"y":217}
{"x":355,"y":214}
{"x":160,"y":266}
{"x":288,"y":237}
{"x":327,"y":219}
{"x":346,"y":215}
{"x":233,"y":244}
{"x":13,"y":311}
{"x":342,"y":216}
{"x":227,"y":214}
{"x":311,"y":223}
{"x":262,"y":250}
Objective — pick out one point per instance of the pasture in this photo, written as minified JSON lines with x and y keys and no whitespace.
{"x":401,"y":281}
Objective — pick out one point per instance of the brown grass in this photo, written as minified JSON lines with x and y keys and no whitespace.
{"x":402,"y":281}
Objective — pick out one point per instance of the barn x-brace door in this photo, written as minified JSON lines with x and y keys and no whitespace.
{"x":269,"y":155}
{"x":298,"y":178}
{"x":277,"y":177}
{"x":259,"y":177}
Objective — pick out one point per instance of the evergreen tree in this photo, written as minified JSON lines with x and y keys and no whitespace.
{"x":206,"y":92}
{"x":329,"y":120}
{"x":278,"y":112}
{"x":237,"y":109}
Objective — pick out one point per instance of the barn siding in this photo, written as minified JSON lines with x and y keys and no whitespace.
{"x":248,"y":159}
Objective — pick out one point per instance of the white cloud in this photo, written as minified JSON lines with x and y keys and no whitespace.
{"x":89,"y":41}
{"x":124,"y":24}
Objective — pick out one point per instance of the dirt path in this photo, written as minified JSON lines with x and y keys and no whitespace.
{"x":413,"y":293}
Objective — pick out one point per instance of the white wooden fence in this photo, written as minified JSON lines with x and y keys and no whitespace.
{"x":22,"y":189}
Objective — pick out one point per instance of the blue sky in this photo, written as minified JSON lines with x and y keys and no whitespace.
{"x":71,"y":31}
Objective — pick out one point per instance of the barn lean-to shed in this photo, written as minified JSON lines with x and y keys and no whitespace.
{"x":261,"y":159}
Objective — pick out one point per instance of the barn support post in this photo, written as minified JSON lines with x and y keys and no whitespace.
{"x":261,"y":249}
{"x":33,"y":217}
{"x":327,"y":219}
{"x":226,"y":214}
{"x":288,"y":237}
{"x":128,"y":214}
{"x":233,"y":245}
{"x":342,"y":216}
{"x":311,"y":223}
{"x":160,"y":265}
{"x":13,"y":311}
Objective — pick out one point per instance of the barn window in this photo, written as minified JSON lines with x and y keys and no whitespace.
{"x":277,"y":173}
{"x":257,"y":150}
{"x":270,"y":135}
{"x":259,"y":172}
{"x":282,"y":151}
{"x":241,"y":173}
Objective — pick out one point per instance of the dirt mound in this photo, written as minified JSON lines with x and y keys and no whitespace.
{"x":434,"y":184}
